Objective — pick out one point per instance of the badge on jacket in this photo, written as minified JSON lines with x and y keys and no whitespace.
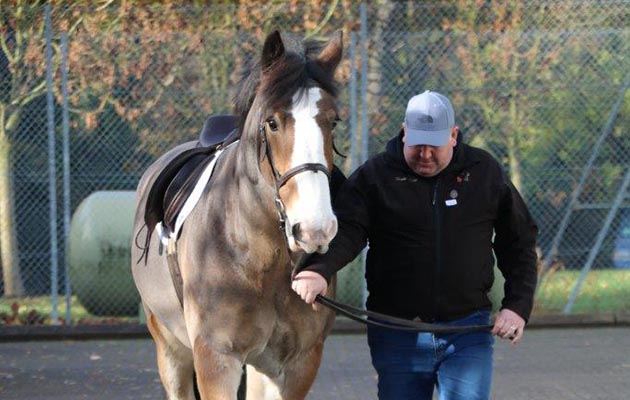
{"x":453,"y":198}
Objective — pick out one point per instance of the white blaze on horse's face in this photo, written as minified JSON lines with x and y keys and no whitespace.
{"x":312,"y":210}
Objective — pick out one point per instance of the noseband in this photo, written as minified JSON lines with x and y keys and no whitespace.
{"x":279,"y":180}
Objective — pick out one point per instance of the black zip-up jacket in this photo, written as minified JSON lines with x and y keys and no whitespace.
{"x":431,"y":240}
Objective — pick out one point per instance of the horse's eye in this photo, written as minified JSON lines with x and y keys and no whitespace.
{"x":273,"y":125}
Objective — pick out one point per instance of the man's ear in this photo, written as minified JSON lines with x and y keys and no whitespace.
{"x":454,"y":134}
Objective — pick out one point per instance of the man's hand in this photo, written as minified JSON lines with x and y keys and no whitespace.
{"x":509,"y":325}
{"x":308,"y":284}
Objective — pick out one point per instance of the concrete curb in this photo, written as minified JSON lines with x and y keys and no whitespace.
{"x":342,"y":325}
{"x":72,"y":332}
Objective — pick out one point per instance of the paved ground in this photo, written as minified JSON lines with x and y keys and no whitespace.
{"x":563,"y":364}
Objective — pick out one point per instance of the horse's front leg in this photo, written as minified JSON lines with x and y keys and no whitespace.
{"x":301,"y":373}
{"x":218,"y":373}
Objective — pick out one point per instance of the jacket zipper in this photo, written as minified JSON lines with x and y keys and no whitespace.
{"x":437,"y":220}
{"x":435,"y":191}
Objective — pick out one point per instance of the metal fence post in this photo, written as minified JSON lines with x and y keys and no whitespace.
{"x":52,"y":188}
{"x":364,"y":123}
{"x":364,"y":104}
{"x":353,"y":103}
{"x":66,"y":170}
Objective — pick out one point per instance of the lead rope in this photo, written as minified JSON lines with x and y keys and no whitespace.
{"x":382,"y":320}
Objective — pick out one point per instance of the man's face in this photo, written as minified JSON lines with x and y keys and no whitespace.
{"x":427,"y":160}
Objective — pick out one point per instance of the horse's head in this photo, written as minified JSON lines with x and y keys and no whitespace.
{"x":293,"y":108}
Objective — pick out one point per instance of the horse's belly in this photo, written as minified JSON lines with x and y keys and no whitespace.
{"x":153,"y":278}
{"x":157,"y":291}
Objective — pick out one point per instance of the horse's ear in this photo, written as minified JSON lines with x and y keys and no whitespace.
{"x":272,"y":50}
{"x":330,"y":56}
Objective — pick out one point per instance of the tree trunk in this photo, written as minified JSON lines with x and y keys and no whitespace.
{"x":8,"y":236}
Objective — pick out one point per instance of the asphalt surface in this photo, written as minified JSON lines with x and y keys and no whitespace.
{"x":564,"y":364}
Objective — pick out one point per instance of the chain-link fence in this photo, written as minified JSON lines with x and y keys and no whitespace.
{"x":89,"y":97}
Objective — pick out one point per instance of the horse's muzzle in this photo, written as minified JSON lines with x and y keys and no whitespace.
{"x":311,"y":237}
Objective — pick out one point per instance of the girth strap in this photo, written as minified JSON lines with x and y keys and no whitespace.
{"x":176,"y":273}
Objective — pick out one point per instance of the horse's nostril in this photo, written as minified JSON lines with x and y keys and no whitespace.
{"x":296,"y":230}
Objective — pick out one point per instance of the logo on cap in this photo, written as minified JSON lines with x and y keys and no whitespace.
{"x":425,"y":119}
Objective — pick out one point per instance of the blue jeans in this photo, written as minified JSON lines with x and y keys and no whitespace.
{"x":410,"y":365}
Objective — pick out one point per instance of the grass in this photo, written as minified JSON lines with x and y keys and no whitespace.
{"x":41,"y":308}
{"x":603,"y":291}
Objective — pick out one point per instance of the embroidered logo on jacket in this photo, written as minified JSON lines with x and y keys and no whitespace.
{"x":463,"y":177}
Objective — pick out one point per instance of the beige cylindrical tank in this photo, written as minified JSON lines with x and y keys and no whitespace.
{"x":99,"y":253}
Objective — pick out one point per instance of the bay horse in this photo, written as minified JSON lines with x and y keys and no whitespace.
{"x":237,"y":307}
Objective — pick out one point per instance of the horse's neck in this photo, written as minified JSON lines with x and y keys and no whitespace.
{"x":250,"y":195}
{"x":251,"y":223}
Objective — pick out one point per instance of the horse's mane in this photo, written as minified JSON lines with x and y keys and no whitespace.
{"x":297,"y":70}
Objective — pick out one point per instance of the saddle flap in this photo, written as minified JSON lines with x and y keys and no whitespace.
{"x":181,"y":187}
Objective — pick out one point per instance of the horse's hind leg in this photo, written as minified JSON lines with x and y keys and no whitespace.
{"x":175,"y":362}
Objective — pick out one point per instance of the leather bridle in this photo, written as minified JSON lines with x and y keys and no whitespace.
{"x":279,"y":180}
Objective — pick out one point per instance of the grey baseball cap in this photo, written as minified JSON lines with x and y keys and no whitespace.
{"x":429,"y":119}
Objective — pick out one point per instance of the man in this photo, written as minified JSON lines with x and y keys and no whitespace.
{"x":433,"y":210}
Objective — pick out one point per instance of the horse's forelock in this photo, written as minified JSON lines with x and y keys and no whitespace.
{"x":291,"y":74}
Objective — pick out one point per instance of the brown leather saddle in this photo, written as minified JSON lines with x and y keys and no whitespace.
{"x":218,"y":131}
{"x":176,"y":181}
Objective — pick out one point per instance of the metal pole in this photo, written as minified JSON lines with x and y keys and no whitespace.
{"x":66,"y":170}
{"x":52,"y":190}
{"x":364,"y":122}
{"x":598,"y":243}
{"x":364,"y":71}
{"x":585,"y":173}
{"x":353,"y":103}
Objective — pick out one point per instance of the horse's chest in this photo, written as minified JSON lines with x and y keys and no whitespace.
{"x":286,"y":342}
